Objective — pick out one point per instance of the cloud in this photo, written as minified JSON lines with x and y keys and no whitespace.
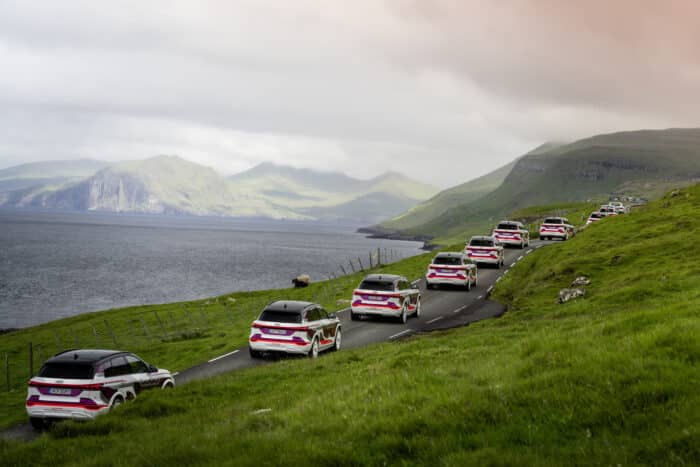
{"x":440,"y":90}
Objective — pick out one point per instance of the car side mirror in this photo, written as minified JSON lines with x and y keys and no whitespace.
{"x":152,"y":369}
{"x":332,"y":316}
{"x":415,"y":286}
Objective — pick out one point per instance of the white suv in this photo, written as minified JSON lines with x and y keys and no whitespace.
{"x":385,"y":295}
{"x":451,"y":269}
{"x":293,"y":327}
{"x":556,"y":227}
{"x":512,"y":233}
{"x":484,"y":249}
{"x":82,"y":384}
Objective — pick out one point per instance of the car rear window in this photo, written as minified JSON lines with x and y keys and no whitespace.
{"x":552,"y":220}
{"x":449,"y":260}
{"x":596,"y":215}
{"x":481,"y":242}
{"x":67,"y":371}
{"x":507,"y":227}
{"x":381,"y":286}
{"x":280,"y":316}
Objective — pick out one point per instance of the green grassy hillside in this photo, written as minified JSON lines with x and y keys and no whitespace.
{"x":609,"y":379}
{"x":637,"y":162}
{"x":174,"y":335}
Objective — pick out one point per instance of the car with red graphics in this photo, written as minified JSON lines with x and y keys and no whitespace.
{"x":512,"y":233}
{"x":451,"y":268}
{"x":618,"y":207}
{"x":484,"y":249}
{"x":608,"y":210}
{"x":294,"y":327}
{"x":81,"y":384}
{"x":556,"y":227}
{"x":595,"y":217}
{"x":385,"y":295}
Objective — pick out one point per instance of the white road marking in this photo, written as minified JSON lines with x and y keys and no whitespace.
{"x":479,"y":297}
{"x":400,"y":333}
{"x":415,"y":282}
{"x":223,"y":356}
{"x":434,"y":320}
{"x":489,"y":289}
{"x":460,"y":309}
{"x":498,"y":279}
{"x":528,"y":251}
{"x":520,"y":257}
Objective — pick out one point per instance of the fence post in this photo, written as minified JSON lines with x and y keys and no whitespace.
{"x":343,"y":269}
{"x":359,"y":261}
{"x":94,"y":333}
{"x":31,"y":360}
{"x":352,"y":266}
{"x":162,"y":326}
{"x":370,"y":260}
{"x":58,"y":341}
{"x":145,"y":329}
{"x":114,"y":338}
{"x":204,"y":318}
{"x":7,"y":371}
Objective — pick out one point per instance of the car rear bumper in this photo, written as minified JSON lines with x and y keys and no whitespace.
{"x":511,"y":241}
{"x":55,"y":410}
{"x":446,"y":281}
{"x":485,"y":259}
{"x":553,"y":234}
{"x":375,"y":311}
{"x":282,"y":347}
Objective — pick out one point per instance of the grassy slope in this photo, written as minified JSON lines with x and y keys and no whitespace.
{"x":609,"y":379}
{"x":638,"y":162}
{"x":196,"y":331}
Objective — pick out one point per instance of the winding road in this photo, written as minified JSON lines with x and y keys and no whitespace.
{"x":441,"y":309}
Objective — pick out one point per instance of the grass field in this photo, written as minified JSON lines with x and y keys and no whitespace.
{"x":173,"y":336}
{"x":610,"y":379}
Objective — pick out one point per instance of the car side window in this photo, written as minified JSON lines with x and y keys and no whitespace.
{"x":116,"y":367}
{"x":313,"y":315}
{"x":136,"y":365}
{"x":403,"y":285}
{"x":323,"y":313}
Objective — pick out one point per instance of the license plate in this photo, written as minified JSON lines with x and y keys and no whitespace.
{"x":278,"y":331}
{"x":60,"y":391}
{"x":446,"y":271}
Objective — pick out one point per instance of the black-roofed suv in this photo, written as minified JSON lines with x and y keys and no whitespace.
{"x":84,"y":383}
{"x":294,"y":327}
{"x":385,"y":295}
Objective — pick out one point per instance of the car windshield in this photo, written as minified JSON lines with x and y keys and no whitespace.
{"x":280,"y":316}
{"x":481,"y":242}
{"x":507,"y":227}
{"x":596,"y":215}
{"x":67,"y":370}
{"x":552,"y":220}
{"x":449,"y":260}
{"x":382,"y":286}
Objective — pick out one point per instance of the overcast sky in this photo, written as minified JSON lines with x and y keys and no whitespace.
{"x":442,"y":91}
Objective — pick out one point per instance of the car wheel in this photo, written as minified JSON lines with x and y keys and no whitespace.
{"x":469,"y":285}
{"x":168,"y":385}
{"x":354,"y":316}
{"x":418,"y":306}
{"x":404,"y":316}
{"x":429,"y":286}
{"x":313,"y":353}
{"x":254,"y":353}
{"x":338,"y":339}
{"x":37,"y":423}
{"x":476,"y":281}
{"x":119,"y":400}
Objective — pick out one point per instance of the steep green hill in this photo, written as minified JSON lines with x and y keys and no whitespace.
{"x":608,"y":379}
{"x":637,"y":163}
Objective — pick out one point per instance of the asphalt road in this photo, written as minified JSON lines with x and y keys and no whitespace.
{"x":441,"y":309}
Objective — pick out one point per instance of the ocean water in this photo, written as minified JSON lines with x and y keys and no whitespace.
{"x":55,"y":265}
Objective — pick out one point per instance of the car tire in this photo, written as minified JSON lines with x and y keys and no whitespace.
{"x":476,"y":281}
{"x":403,"y":318}
{"x":354,"y":316}
{"x":37,"y":423}
{"x":254,"y":353}
{"x":429,"y":286}
{"x":418,"y":310}
{"x":313,"y":352}
{"x":119,"y":400}
{"x":468,"y":287}
{"x":338,"y":340}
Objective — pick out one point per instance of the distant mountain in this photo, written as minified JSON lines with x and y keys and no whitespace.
{"x":172,"y":185}
{"x":641,"y":163}
{"x":23,"y":183}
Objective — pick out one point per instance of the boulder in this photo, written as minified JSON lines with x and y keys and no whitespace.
{"x":579,"y":281}
{"x":301,"y":280}
{"x":566,"y":295}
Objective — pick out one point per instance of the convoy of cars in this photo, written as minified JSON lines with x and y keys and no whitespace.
{"x":451,"y":268}
{"x":82,"y":384}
